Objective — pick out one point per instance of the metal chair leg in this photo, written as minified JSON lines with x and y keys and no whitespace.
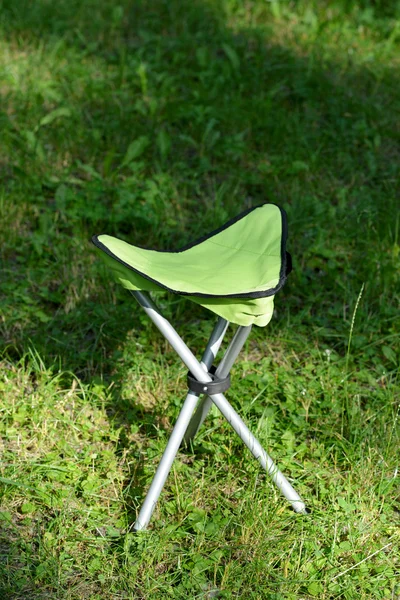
{"x":259,"y":453}
{"x":165,"y":464}
{"x":223,"y":370}
{"x":178,"y":432}
{"x":220,"y":401}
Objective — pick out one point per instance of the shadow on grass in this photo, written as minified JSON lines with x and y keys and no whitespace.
{"x":228,"y":119}
{"x":17,"y":573}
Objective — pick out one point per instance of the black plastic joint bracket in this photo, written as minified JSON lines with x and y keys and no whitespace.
{"x":216,"y":386}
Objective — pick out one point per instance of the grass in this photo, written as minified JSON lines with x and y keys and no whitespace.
{"x":156,"y":122}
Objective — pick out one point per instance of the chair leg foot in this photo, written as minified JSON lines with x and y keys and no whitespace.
{"x":165,"y":464}
{"x":259,"y":453}
{"x":200,"y":372}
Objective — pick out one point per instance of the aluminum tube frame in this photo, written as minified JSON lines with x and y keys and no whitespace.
{"x":214,"y":343}
{"x":165,"y":463}
{"x":222,"y":404}
{"x":223,"y":371}
{"x":178,"y":432}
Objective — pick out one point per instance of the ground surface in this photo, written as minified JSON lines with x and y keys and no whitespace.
{"x":157,"y":121}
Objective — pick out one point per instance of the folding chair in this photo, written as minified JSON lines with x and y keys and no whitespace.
{"x":235,"y":272}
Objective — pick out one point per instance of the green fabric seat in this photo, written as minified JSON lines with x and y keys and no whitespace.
{"x":234,"y":271}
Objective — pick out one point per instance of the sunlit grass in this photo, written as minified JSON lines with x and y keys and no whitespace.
{"x":156,"y":122}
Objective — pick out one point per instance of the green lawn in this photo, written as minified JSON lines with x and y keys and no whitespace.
{"x":156,"y":121}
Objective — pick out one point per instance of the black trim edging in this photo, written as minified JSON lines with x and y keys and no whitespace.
{"x":286,"y":259}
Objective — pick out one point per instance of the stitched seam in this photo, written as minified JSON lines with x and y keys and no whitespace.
{"x":242,"y":250}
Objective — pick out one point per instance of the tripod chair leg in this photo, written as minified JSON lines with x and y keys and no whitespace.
{"x":259,"y":453}
{"x":214,"y":343}
{"x":178,"y":431}
{"x":221,"y":402}
{"x":222,"y":371}
{"x":165,"y":464}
